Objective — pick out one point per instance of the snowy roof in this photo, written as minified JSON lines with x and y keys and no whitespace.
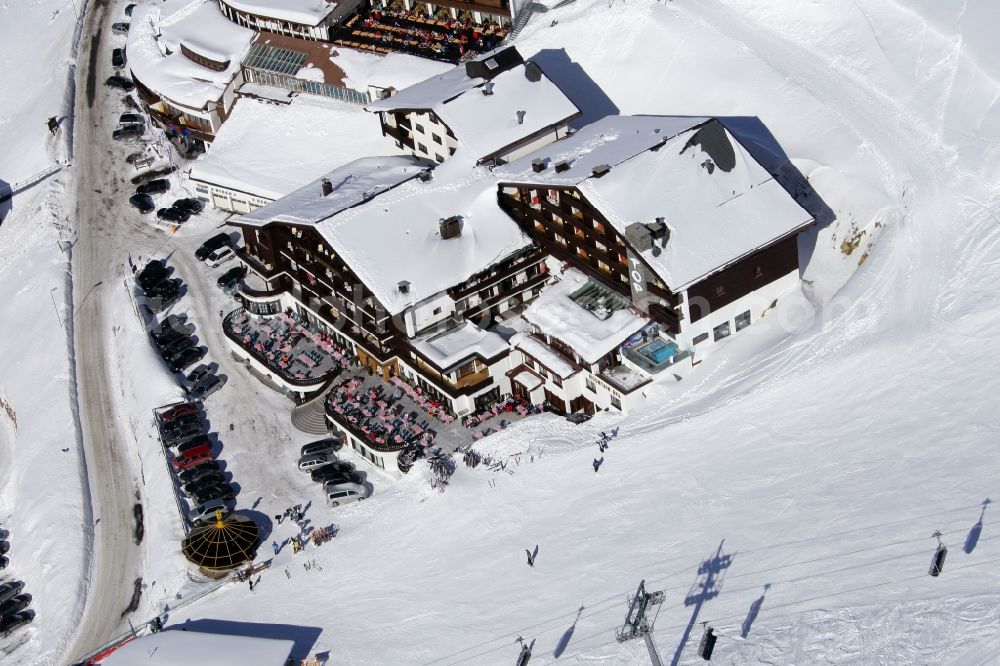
{"x":353,"y":183}
{"x":528,"y":380}
{"x":270,"y":150}
{"x":555,"y":313}
{"x":396,"y":237}
{"x":182,"y":648}
{"x":610,"y":140}
{"x":157,"y":30}
{"x":718,"y":203}
{"x":542,"y":353}
{"x":485,"y":124}
{"x":457,"y":344}
{"x":307,"y":12}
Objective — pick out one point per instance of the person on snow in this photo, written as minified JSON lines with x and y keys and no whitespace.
{"x":597,"y":463}
{"x":274,"y":544}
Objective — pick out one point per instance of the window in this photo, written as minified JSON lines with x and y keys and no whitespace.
{"x":720,"y":291}
{"x":581,"y":252}
{"x":591,"y":385}
{"x":603,"y":266}
{"x":598,"y":226}
{"x":698,"y":339}
{"x":616,"y":402}
{"x":743,"y":320}
{"x":436,"y":139}
{"x":721,"y":331}
{"x":420,"y":128}
{"x":438,"y":158}
{"x":557,"y":380}
{"x":758,"y":271}
{"x":437,"y":311}
{"x":421,"y":147}
{"x":560,"y":240}
{"x":600,"y":246}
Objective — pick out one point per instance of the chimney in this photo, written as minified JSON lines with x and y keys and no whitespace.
{"x":562,"y":166}
{"x":658,"y":230}
{"x":404,"y":287}
{"x":450,"y":227}
{"x":639,"y":236}
{"x":538,"y":165}
{"x":600,"y":170}
{"x":327,"y":187}
{"x":532,"y":72}
{"x":520,"y":117}
{"x":488,"y":88}
{"x":425,"y":175}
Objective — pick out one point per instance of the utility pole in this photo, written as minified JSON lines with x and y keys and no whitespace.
{"x":637,"y":625}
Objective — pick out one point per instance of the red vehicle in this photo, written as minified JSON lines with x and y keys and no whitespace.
{"x":195,"y":449}
{"x":188,"y":463}
{"x":184,"y":409}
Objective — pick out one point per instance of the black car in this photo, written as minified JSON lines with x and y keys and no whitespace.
{"x":203,"y":483}
{"x":131,"y":119}
{"x":142,"y":203}
{"x":211,"y":245}
{"x":194,"y":472}
{"x":343,"y":477}
{"x":170,"y":427}
{"x":151,"y":273}
{"x":199,"y":373}
{"x":172,"y":323}
{"x":222,"y":491}
{"x":207,"y":472}
{"x":172,"y":215}
{"x":167,"y":335}
{"x":186,"y":358}
{"x":231,"y":277}
{"x":158,"y":186}
{"x":157,"y":304}
{"x":127,"y":132}
{"x":11,"y":622}
{"x":118,"y":58}
{"x":165,"y":287}
{"x":128,"y":9}
{"x":338,"y":467}
{"x":8,"y":590}
{"x":119,"y":82}
{"x":119,"y":28}
{"x":176,"y":346}
{"x":15,"y":604}
{"x":189,"y":205}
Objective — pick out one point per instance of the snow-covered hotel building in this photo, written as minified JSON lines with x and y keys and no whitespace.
{"x":497,"y":106}
{"x":575,"y":275}
{"x":185,"y":58}
{"x":304,"y":19}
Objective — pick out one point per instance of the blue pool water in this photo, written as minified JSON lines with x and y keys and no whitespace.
{"x":658,"y":351}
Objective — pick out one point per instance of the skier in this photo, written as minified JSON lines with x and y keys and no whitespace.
{"x":274,"y":544}
{"x":53,"y":125}
{"x":597,"y":463}
{"x":531,"y":558}
{"x":279,"y":517}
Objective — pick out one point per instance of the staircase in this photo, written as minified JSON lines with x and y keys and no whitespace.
{"x":311,"y":416}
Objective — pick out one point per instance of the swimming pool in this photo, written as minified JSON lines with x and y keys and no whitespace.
{"x":658,"y":350}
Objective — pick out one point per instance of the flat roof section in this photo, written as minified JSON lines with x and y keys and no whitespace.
{"x":317,"y":56}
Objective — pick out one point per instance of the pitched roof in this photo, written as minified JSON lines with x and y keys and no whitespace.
{"x":718,"y":202}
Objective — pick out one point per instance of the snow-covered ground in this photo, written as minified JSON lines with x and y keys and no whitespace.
{"x":818,"y":450}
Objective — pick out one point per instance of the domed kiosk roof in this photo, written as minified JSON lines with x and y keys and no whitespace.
{"x":225,"y":544}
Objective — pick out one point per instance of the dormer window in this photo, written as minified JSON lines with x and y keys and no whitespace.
{"x":491,"y":64}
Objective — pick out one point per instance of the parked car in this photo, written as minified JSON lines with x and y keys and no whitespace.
{"x":9,"y":590}
{"x":232,"y":276}
{"x":128,"y":132}
{"x":132,"y":119}
{"x":336,"y":478}
{"x":170,"y":428}
{"x":219,"y":256}
{"x":204,"y":474}
{"x":128,"y":9}
{"x":119,"y":82}
{"x":174,"y":322}
{"x":188,"y":463}
{"x":183,"y":409}
{"x":142,"y":203}
{"x":307,"y":463}
{"x":199,"y":373}
{"x":153,"y":272}
{"x":194,"y":472}
{"x":193,"y":487}
{"x":157,"y":304}
{"x":118,"y":58}
{"x":119,"y":28}
{"x":189,"y":205}
{"x":11,"y":622}
{"x":206,"y":387}
{"x":4,"y":547}
{"x":212,"y":244}
{"x":186,"y":358}
{"x":346,"y":492}
{"x":328,"y":473}
{"x":172,"y":215}
{"x":327,"y":445}
{"x":182,"y":438}
{"x":167,"y":336}
{"x":206,"y":510}
{"x":157,"y":186}
{"x":164,"y":288}
{"x":222,"y":491}
{"x":175,"y":346}
{"x":15,"y":604}
{"x":3,"y":562}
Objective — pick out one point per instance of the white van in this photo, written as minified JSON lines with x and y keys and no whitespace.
{"x":220,"y":256}
{"x":342,"y":493}
{"x":307,"y":463}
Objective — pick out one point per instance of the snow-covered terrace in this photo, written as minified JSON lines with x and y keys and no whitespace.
{"x":306,"y":12}
{"x":449,"y":348}
{"x":555,"y":313}
{"x":542,"y":353}
{"x":270,"y":150}
{"x":154,"y":50}
{"x":718,"y":202}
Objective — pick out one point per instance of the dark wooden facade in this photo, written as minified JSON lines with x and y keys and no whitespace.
{"x":563,"y":222}
{"x":747,"y":275}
